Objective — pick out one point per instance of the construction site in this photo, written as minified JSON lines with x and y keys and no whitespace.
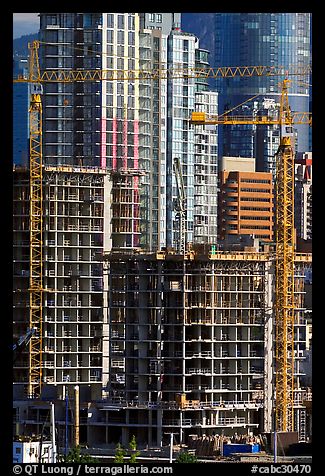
{"x":184,"y":345}
{"x":189,"y":343}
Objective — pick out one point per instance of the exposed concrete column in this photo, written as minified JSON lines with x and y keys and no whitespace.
{"x":204,"y":418}
{"x":107,"y":246}
{"x":184,"y":282}
{"x":150,"y":428}
{"x":160,"y":315}
{"x":76,"y":416}
{"x":268,"y":346}
{"x":106,"y":333}
{"x":125,"y":436}
{"x":159,"y":427}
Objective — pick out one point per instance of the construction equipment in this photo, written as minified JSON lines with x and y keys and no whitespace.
{"x":36,"y":229}
{"x":37,"y":78}
{"x":70,"y":75}
{"x":201,"y":118}
{"x":284,"y":271}
{"x":24,"y":339}
{"x":180,"y":205}
{"x":284,"y":261}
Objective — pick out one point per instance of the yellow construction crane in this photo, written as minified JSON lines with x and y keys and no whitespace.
{"x":201,"y":118}
{"x":36,"y":231}
{"x":284,"y":261}
{"x":36,"y":78}
{"x":180,"y":205}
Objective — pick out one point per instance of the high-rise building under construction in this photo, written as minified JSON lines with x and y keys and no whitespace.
{"x":184,"y":345}
{"x":144,"y":335}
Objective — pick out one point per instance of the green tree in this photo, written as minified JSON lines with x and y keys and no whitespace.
{"x":133,"y":448}
{"x":75,"y":456}
{"x":186,"y":457}
{"x":119,"y":454}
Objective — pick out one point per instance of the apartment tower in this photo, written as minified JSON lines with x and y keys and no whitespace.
{"x":303,"y":195}
{"x":205,"y":159}
{"x":172,"y":136}
{"x":76,"y":225}
{"x":95,"y":123}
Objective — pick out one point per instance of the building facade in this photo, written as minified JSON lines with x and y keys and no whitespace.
{"x":205,"y":172}
{"x":76,"y":230}
{"x":205,"y":160}
{"x":185,"y":346}
{"x":303,"y":195}
{"x":245,"y":39}
{"x":190,"y":347}
{"x":155,"y":29}
{"x":246,"y":202}
{"x":32,"y":452}
{"x":180,"y":138}
{"x":20,"y":115}
{"x":95,"y":123}
{"x":157,"y":342}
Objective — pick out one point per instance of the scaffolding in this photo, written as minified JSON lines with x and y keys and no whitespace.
{"x":125,"y":208}
{"x":181,"y":342}
{"x":187,"y":337}
{"x":72,"y":247}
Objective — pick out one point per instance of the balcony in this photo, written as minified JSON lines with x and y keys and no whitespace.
{"x":193,"y":371}
{"x":94,"y":348}
{"x":49,"y":348}
{"x":232,"y":421}
{"x":67,"y":348}
{"x":203,"y":354}
{"x":95,"y":378}
{"x":48,"y":364}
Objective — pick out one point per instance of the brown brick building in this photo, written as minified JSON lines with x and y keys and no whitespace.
{"x":246,"y":204}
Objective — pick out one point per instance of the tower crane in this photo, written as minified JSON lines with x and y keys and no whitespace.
{"x":36,"y":230}
{"x":36,"y":78}
{"x":180,"y":205}
{"x":284,"y":259}
{"x":23,"y":340}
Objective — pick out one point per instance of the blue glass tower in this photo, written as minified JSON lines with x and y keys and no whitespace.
{"x":250,"y":39}
{"x":20,"y":115}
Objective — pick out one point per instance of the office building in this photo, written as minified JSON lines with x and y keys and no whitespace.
{"x":246,"y":200}
{"x":246,"y":39}
{"x":20,"y":114}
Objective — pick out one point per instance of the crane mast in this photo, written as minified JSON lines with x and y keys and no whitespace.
{"x":36,"y":229}
{"x":284,"y":259}
{"x":284,"y":271}
{"x":180,"y":204}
